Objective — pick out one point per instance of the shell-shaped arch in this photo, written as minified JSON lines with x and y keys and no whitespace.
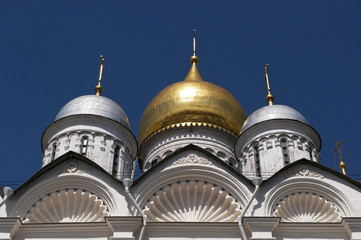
{"x":67,"y":206}
{"x":192,"y":201}
{"x":306,"y":207}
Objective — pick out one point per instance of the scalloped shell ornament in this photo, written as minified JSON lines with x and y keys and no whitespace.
{"x":192,"y":201}
{"x":306,"y":207}
{"x":67,"y":206}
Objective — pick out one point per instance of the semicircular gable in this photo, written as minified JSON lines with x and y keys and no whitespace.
{"x":72,"y":180}
{"x":69,"y":205}
{"x":296,"y":197}
{"x":306,"y":207}
{"x":193,"y":164}
{"x":192,"y":201}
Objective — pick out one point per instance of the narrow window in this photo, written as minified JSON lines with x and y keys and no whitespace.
{"x":116,"y":161}
{"x":257,"y":161}
{"x":53,"y":152}
{"x":310,"y":151}
{"x":84,"y":145}
{"x":286,"y":158}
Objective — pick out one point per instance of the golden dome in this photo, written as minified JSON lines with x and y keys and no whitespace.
{"x":192,"y":102}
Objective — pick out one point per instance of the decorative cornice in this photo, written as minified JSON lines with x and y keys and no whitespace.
{"x":193,"y":159}
{"x":73,"y":167}
{"x":187,"y":124}
{"x":303,"y":171}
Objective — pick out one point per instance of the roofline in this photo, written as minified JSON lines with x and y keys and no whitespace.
{"x":318,"y":165}
{"x":67,"y":156}
{"x":191,"y":147}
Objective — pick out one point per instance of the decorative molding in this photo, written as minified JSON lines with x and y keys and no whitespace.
{"x":188,"y":124}
{"x":304,"y":171}
{"x":306,"y":207}
{"x":67,"y":206}
{"x":194,"y":159}
{"x":73,"y":167}
{"x":192,"y":201}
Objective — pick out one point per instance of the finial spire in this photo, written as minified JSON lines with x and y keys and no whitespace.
{"x":193,"y":74}
{"x":194,"y":58}
{"x":269,"y":97}
{"x":341,"y":165}
{"x":99,"y":88}
{"x":194,"y":42}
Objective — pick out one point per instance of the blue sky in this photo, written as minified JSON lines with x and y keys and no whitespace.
{"x":49,"y":54}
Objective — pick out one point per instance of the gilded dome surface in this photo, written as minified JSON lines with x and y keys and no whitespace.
{"x":192,"y":101}
{"x":94,"y":105}
{"x":273,"y":112}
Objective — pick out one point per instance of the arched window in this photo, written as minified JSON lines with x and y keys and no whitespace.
{"x":257,"y":163}
{"x":53,"y":152}
{"x":286,"y":157}
{"x":84,"y":145}
{"x":116,"y":161}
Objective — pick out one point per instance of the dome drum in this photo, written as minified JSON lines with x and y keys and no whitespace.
{"x":217,"y":142}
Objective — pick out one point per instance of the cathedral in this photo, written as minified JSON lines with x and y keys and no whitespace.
{"x":209,"y":171}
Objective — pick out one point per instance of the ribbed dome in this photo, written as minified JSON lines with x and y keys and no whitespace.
{"x":273,"y":112}
{"x":192,"y":101}
{"x":94,"y":105}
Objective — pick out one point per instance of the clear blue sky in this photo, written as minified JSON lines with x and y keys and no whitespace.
{"x":49,"y":54}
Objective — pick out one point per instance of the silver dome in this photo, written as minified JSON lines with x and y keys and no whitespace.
{"x":273,"y":112}
{"x":94,"y":105}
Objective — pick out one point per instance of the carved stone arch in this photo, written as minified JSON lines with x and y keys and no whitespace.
{"x":230,"y":183}
{"x":233,"y":162}
{"x":192,"y":201}
{"x":73,"y":136}
{"x":221,"y":155}
{"x":254,"y":143}
{"x":155,"y":160}
{"x":210,"y":150}
{"x":73,"y":133}
{"x":67,"y":205}
{"x":86,"y":133}
{"x":166,"y":153}
{"x":284,"y":136}
{"x":295,"y":137}
{"x":147,"y":166}
{"x":115,"y":141}
{"x":306,"y":207}
{"x":313,"y":184}
{"x":66,"y":182}
{"x":98,"y":134}
{"x":126,"y":150}
{"x":262,"y":140}
{"x":271,"y":137}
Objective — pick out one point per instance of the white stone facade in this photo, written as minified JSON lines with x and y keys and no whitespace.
{"x":196,"y":182}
